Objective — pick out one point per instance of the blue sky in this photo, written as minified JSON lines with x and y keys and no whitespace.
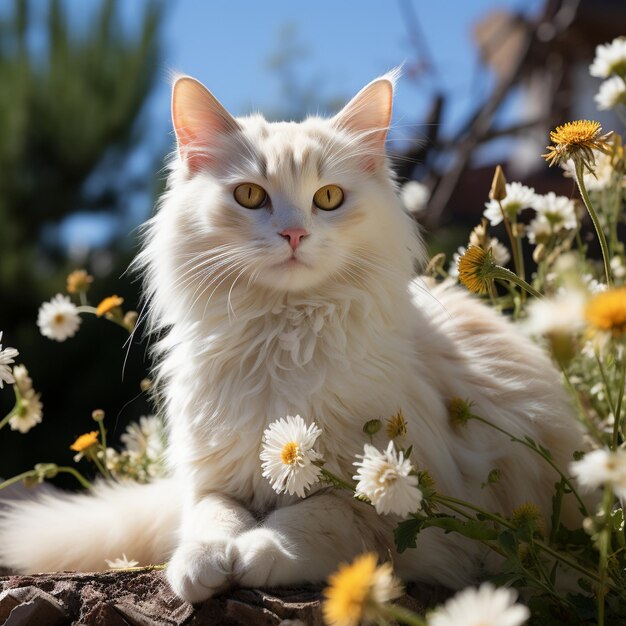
{"x":347,"y":43}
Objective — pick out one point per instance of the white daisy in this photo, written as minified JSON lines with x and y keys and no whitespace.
{"x":288,"y":455}
{"x":7,"y":357}
{"x":123,"y":563}
{"x":485,"y":606}
{"x":28,"y":412}
{"x":414,"y":196}
{"x":612,"y":92}
{"x":561,"y":314}
{"x":500,"y":252}
{"x":558,"y":210}
{"x":22,"y":379}
{"x":618,"y":268}
{"x":385,"y":479}
{"x":593,"y":285}
{"x":600,"y":467}
{"x":145,"y":437}
{"x":518,"y":197}
{"x":539,"y":230}
{"x":58,"y":319}
{"x":610,"y":59}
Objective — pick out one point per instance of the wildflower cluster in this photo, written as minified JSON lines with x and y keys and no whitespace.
{"x":141,"y":455}
{"x":574,"y":304}
{"x":59,"y":319}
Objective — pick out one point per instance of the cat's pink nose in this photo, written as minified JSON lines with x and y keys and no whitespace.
{"x":294,"y":235}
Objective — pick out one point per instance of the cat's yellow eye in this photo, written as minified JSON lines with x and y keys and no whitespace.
{"x":250,"y":195}
{"x":328,"y":198}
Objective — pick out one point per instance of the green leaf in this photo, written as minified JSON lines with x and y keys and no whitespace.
{"x":474,"y":529}
{"x":406,"y":533}
{"x":508,"y":542}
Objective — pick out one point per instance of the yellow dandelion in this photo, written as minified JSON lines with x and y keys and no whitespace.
{"x":357,"y":592}
{"x":108,"y":305}
{"x":476,"y":269}
{"x":78,"y":281}
{"x":606,"y":312}
{"x":396,"y":425}
{"x":84,"y":442}
{"x":577,"y":140}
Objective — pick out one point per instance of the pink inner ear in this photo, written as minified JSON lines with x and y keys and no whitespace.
{"x":199,"y":121}
{"x":369,"y":114}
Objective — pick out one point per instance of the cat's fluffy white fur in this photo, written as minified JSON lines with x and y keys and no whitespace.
{"x":340,"y":335}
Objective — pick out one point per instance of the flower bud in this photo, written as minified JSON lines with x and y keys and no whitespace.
{"x":371,"y":427}
{"x":498,"y":185}
{"x":130,"y":320}
{"x":97,"y":415}
{"x":539,"y":253}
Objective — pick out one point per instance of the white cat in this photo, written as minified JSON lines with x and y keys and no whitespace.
{"x":280,"y":277}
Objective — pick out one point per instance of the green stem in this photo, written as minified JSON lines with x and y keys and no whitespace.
{"x":503,"y":274}
{"x":509,"y":232}
{"x":103,"y":435}
{"x":77,"y":475}
{"x":603,"y":547}
{"x":538,"y":451}
{"x":18,"y":397}
{"x":34,"y":474}
{"x":581,"y":409}
{"x":564,"y":558}
{"x":618,"y":405}
{"x":110,"y":318}
{"x":96,"y":461}
{"x":467,"y":516}
{"x":520,"y":256}
{"x":595,"y":220}
{"x":5,"y":420}
{"x":605,"y":381}
{"x":16,"y":479}
{"x":335,"y":480}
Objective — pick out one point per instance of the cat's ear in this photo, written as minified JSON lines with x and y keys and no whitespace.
{"x":368,"y":114}
{"x":199,"y":121}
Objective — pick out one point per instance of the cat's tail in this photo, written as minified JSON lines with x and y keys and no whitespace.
{"x":57,"y":531}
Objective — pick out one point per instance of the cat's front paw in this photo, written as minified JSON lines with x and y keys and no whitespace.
{"x":198,"y":571}
{"x":263,"y":559}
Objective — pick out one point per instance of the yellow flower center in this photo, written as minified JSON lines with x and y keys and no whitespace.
{"x":607,"y":311}
{"x":290,"y":454}
{"x":59,"y":318}
{"x":578,"y":132}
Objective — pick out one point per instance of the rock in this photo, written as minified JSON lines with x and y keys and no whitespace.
{"x":143,"y":598}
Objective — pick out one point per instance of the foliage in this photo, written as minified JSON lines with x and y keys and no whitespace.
{"x":70,"y":116}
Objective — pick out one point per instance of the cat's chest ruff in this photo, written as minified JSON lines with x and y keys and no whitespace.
{"x":291,"y":349}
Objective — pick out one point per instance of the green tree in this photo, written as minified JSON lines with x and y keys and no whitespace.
{"x":69,"y":119}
